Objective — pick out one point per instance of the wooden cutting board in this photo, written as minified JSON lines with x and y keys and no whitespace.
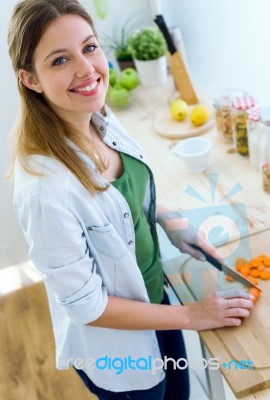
{"x":250,"y":341}
{"x":171,"y":129}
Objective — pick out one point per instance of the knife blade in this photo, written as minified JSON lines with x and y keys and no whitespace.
{"x":225,"y":269}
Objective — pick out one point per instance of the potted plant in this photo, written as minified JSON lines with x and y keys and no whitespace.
{"x":148,"y":48}
{"x":117,"y":43}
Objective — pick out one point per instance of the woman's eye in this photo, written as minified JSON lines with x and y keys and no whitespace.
{"x":89,"y":48}
{"x":59,"y":61}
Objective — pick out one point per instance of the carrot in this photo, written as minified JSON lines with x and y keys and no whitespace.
{"x":254,"y":269}
{"x":266,"y":261}
{"x":244,"y":270}
{"x":253,"y":280}
{"x":255,"y":262}
{"x":255,"y":293}
{"x":255,"y":273}
{"x":238,"y":267}
{"x":265,"y":275}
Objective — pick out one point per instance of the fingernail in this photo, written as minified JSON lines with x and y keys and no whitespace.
{"x":202,"y":258}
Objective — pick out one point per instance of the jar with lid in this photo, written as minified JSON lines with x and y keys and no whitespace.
{"x":241,"y":108}
{"x":223,"y":112}
{"x":264,"y":148}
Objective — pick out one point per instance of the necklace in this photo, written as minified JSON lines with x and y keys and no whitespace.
{"x":95,"y":151}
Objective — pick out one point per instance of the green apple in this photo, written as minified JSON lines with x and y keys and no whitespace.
{"x":112,"y":76}
{"x":118,"y":96}
{"x":129,"y":78}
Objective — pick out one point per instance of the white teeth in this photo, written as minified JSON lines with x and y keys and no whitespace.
{"x":87,"y":88}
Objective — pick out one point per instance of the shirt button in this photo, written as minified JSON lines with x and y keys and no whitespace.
{"x":89,"y":228}
{"x":101,"y":128}
{"x":126,"y":215}
{"x":130,"y":242}
{"x":141,"y":156}
{"x":114,"y":143}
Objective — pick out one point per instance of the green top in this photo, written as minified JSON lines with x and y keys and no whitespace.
{"x":132,"y":185}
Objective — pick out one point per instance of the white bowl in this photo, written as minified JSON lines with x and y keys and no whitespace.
{"x":194,"y":152}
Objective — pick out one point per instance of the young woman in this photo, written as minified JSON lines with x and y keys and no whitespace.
{"x":85,"y":198}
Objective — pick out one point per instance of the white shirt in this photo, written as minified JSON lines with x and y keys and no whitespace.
{"x":84,"y":245}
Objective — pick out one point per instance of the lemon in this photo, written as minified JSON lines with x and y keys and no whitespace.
{"x":178,"y":109}
{"x":199,"y":115}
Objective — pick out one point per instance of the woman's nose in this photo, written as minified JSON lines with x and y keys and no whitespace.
{"x":84,"y":67}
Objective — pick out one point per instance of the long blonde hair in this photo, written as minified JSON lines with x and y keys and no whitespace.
{"x":39,"y":129}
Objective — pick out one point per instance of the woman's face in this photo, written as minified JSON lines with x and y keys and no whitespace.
{"x":71,"y":69}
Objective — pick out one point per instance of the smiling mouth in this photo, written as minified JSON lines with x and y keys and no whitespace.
{"x":87,"y":88}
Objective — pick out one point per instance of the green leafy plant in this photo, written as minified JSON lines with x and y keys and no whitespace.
{"x":118,"y":42}
{"x":147,"y":44}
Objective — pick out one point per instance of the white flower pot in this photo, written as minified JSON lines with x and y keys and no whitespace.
{"x":152,"y":72}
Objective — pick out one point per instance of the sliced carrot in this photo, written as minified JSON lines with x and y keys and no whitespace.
{"x":239,"y":267}
{"x":266,"y":261}
{"x":229,"y":278}
{"x":265,"y":275}
{"x":255,"y":293}
{"x":244,"y":269}
{"x":255,"y":262}
{"x":253,"y":280}
{"x":255,"y":273}
{"x":261,"y":268}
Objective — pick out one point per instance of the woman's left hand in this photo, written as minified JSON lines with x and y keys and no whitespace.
{"x":183,"y":236}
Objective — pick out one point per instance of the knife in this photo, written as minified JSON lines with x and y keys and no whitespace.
{"x":225,"y":269}
{"x":159,"y":20}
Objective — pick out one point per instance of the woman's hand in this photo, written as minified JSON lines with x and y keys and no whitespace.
{"x":226,"y":308}
{"x":182,"y":236}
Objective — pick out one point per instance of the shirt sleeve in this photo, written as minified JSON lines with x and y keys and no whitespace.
{"x":58,"y":248}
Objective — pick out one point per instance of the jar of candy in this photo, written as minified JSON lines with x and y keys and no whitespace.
{"x":264,"y":147}
{"x":223,"y":112}
{"x":241,"y":108}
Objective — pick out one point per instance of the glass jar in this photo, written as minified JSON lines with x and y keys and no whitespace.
{"x":264,"y":148}
{"x":255,"y":133}
{"x":241,"y":108}
{"x":223,"y":112}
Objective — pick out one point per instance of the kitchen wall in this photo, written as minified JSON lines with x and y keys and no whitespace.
{"x":226,"y":45}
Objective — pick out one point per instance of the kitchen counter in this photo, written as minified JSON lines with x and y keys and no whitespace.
{"x":231,"y":171}
{"x":228,"y":195}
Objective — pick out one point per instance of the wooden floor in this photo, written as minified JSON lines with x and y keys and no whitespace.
{"x":27,"y":366}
